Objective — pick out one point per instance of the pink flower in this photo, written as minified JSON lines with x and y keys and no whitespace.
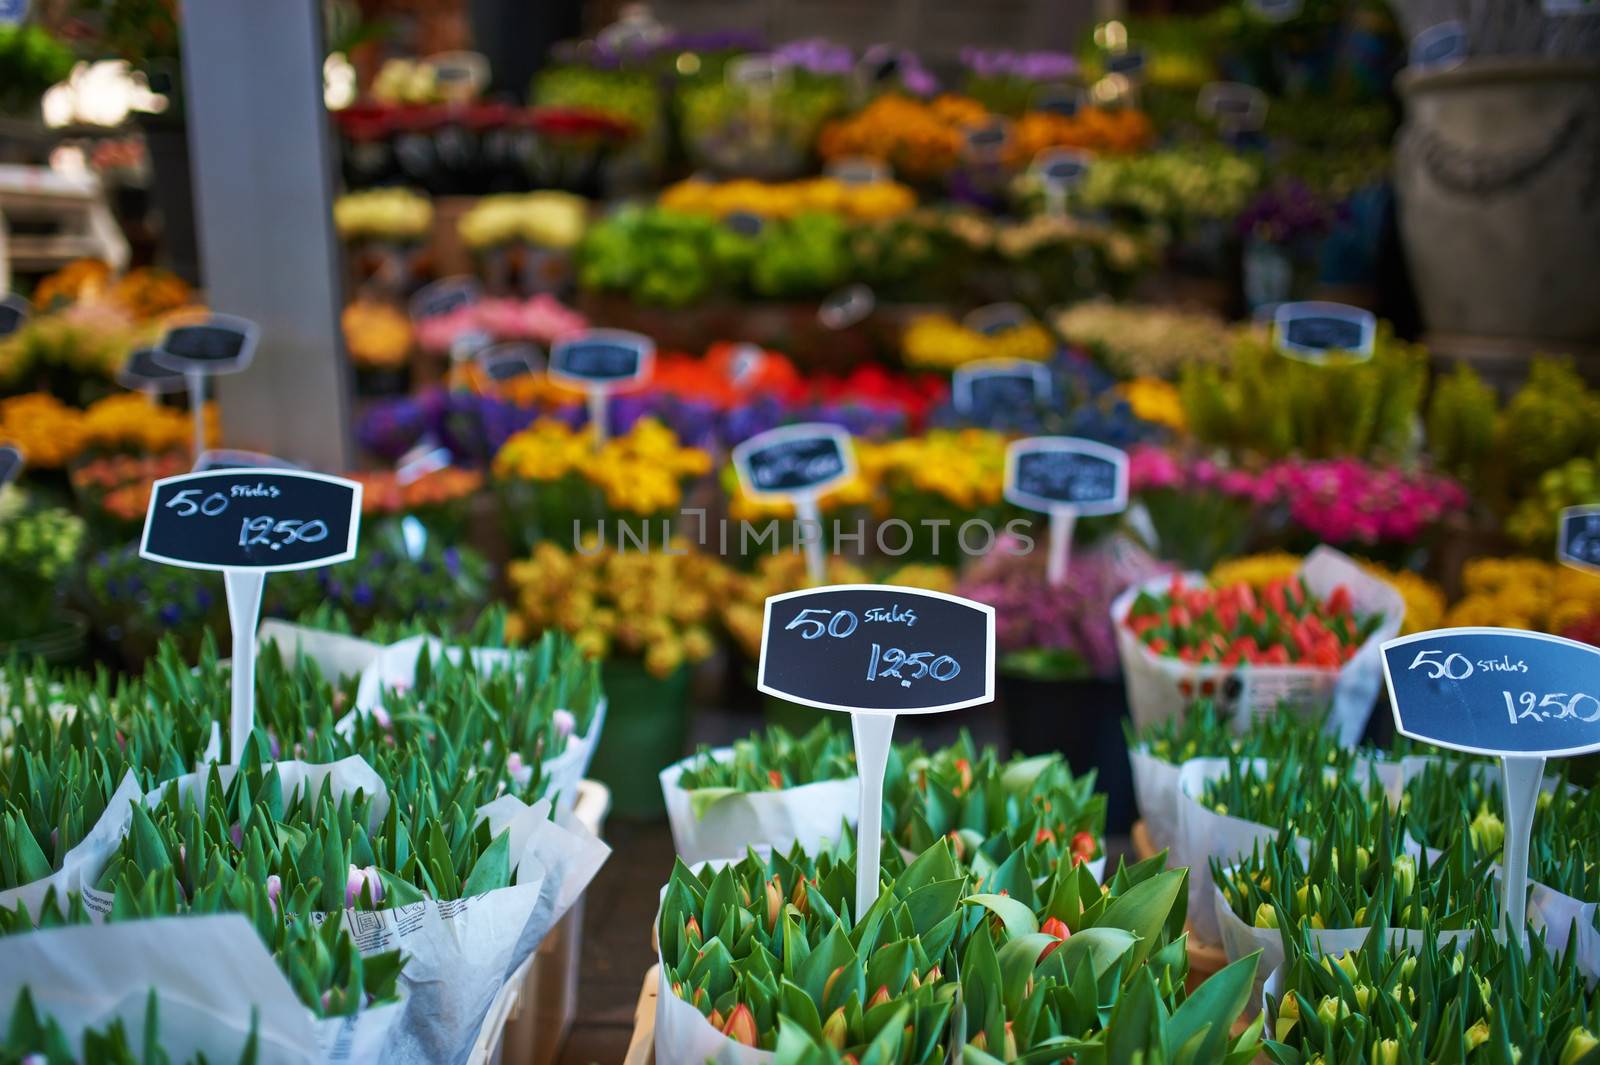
{"x":564,"y":723}
{"x":381,"y":716}
{"x":274,"y":889}
{"x":514,"y":765}
{"x":1151,"y":468}
{"x":359,"y":877}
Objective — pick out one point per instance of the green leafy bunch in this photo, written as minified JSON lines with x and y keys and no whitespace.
{"x":1360,"y":869}
{"x":1007,"y":821}
{"x":1455,"y":798}
{"x":773,"y":760}
{"x":1265,"y":403}
{"x":768,"y":936}
{"x":1473,"y":1002}
{"x":35,"y":1038}
{"x":1205,"y":730}
{"x":1293,"y":793}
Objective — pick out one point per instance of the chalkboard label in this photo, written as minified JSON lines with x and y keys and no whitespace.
{"x":991,"y":386}
{"x":858,"y":170}
{"x":1130,"y":64}
{"x":995,"y":318}
{"x":507,"y":362}
{"x":234,"y":459}
{"x":757,"y":73}
{"x":1232,"y":105}
{"x":444,"y":296}
{"x":846,"y":307}
{"x":1062,"y":167}
{"x":744,"y":223}
{"x":258,"y":519}
{"x":144,"y":372}
{"x":989,"y":140}
{"x":1048,"y":473}
{"x":1495,"y":691}
{"x":10,"y":464}
{"x":746,"y":361}
{"x":1058,"y":99}
{"x":1578,"y":537}
{"x":14,"y":311}
{"x":1311,"y":331}
{"x":877,"y":648}
{"x":794,"y":460}
{"x":223,"y":343}
{"x":1441,"y":45}
{"x":602,"y":358}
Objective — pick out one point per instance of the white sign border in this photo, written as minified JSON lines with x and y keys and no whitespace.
{"x":1478,"y":630}
{"x":1076,"y":445}
{"x":841,"y":437}
{"x":989,"y":650}
{"x":346,"y":555}
{"x":642,"y":370}
{"x":247,"y":351}
{"x":1588,"y":509}
{"x":1289,"y":312}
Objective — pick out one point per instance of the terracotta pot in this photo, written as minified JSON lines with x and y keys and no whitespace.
{"x":1497,"y":170}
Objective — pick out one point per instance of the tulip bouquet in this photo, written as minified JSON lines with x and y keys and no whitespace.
{"x":1293,"y":793}
{"x":771,"y":761}
{"x":1423,"y":598}
{"x":1286,"y":623}
{"x":1011,"y":823}
{"x":35,"y":1037}
{"x":764,"y":953}
{"x":1475,"y":1001}
{"x":1358,"y":870}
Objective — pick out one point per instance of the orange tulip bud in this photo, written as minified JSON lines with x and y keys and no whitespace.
{"x":741,"y":1026}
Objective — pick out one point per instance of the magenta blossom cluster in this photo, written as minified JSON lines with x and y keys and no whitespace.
{"x":1344,"y":501}
{"x":1076,"y":616}
{"x":1339,"y":501}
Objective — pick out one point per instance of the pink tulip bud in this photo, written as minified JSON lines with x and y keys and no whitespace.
{"x":514,"y":765}
{"x":274,"y":889}
{"x":564,"y":723}
{"x":381,"y":716}
{"x":358,"y":877}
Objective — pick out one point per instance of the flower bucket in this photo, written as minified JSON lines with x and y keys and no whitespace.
{"x":647,"y":730}
{"x":712,"y":824}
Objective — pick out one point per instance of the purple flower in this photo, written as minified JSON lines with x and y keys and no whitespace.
{"x":274,"y":889}
{"x":362,"y":594}
{"x":514,"y":766}
{"x":452,"y":561}
{"x":169,"y":614}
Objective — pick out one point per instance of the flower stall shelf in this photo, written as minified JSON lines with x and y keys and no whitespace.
{"x":1308,"y":642}
{"x":529,"y":1020}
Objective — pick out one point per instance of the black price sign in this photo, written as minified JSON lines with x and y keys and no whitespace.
{"x":1503,"y":692}
{"x":858,"y":170}
{"x":252,"y":519}
{"x":1231,"y":104}
{"x":1312,"y":331}
{"x":989,"y":140}
{"x":1277,"y":10}
{"x":223,"y":343}
{"x":744,"y":223}
{"x":444,"y":296}
{"x":507,"y":362}
{"x":991,"y":386}
{"x":847,"y":306}
{"x":14,"y":310}
{"x":1058,"y":99}
{"x":1129,"y":63}
{"x":10,"y":464}
{"x":1049,"y":473}
{"x":1443,"y":44}
{"x":144,"y":373}
{"x":1578,"y":537}
{"x":873,"y":648}
{"x":794,"y":460}
{"x":1062,"y":167}
{"x":602,"y":358}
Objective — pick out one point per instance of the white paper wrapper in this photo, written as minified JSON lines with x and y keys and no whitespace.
{"x":1155,"y":790}
{"x":1159,"y":687}
{"x":396,"y":667}
{"x":88,"y":975}
{"x":809,"y":815}
{"x":1240,"y":939}
{"x":1205,"y":834}
{"x":336,"y":654}
{"x":460,"y":951}
{"x":84,"y":862}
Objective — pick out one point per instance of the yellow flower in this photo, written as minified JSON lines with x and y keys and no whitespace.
{"x":1155,"y":400}
{"x":938,"y":341}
